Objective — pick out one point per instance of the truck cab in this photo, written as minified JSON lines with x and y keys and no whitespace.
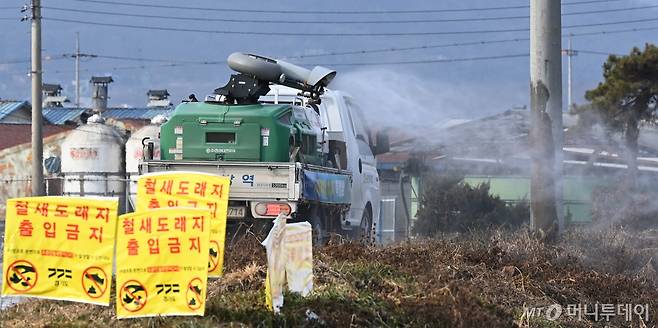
{"x":346,"y":138}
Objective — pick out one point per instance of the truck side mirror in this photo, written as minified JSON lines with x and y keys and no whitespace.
{"x":382,"y":144}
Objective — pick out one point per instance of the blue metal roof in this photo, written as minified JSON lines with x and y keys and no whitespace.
{"x":59,"y":115}
{"x":144,"y":113}
{"x":8,"y":107}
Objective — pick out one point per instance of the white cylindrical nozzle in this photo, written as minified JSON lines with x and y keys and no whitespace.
{"x":272,"y":70}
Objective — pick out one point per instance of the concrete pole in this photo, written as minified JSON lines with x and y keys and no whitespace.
{"x":546,"y":116}
{"x":38,"y":187}
{"x":77,"y":69}
{"x":569,"y":75}
{"x":570,"y":53}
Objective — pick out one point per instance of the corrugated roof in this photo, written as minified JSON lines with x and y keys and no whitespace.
{"x":60,"y":115}
{"x":145,"y":113}
{"x":8,"y":107}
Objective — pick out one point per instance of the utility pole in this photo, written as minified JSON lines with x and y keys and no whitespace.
{"x":77,"y":69}
{"x":570,"y":53}
{"x":38,"y":187}
{"x":546,"y":135}
{"x":77,"y":55}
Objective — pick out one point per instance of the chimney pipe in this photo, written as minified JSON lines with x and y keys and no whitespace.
{"x":158,"y":98}
{"x":99,"y":94}
{"x":52,"y":95}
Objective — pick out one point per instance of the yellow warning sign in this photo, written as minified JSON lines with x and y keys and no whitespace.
{"x":161,"y":262}
{"x":60,"y":248}
{"x":190,"y":189}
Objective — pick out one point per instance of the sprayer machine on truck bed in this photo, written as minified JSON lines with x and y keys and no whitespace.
{"x":287,"y":144}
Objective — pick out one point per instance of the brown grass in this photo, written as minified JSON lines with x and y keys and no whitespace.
{"x":454,"y":281}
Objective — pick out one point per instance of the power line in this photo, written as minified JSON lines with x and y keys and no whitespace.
{"x":328,"y":54}
{"x":600,"y":11}
{"x":169,"y":65}
{"x":297,"y":21}
{"x":177,"y":62}
{"x":24,"y":61}
{"x":315,"y":34}
{"x":398,"y":49}
{"x":573,"y":3}
{"x":176,"y":29}
{"x":458,"y":44}
{"x":341,"y":53}
{"x":342,"y":12}
{"x":628,"y":30}
{"x":640,"y":20}
{"x":157,"y":60}
{"x":594,"y":52}
{"x":369,"y":63}
{"x":425,"y":61}
{"x":451,"y":60}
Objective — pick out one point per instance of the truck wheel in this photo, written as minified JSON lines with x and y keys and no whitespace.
{"x":366,"y":236}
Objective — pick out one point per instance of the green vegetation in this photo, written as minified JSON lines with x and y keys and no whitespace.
{"x":626,"y":98}
{"x":448,"y":205}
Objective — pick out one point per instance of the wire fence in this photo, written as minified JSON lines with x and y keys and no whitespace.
{"x":97,"y":184}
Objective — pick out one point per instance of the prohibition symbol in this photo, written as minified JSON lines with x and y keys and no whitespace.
{"x":213,"y":259}
{"x":193,"y":294}
{"x":133,"y":296}
{"x":94,"y":282}
{"x":21,"y":276}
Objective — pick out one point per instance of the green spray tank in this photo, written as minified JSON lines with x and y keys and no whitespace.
{"x":232,"y":125}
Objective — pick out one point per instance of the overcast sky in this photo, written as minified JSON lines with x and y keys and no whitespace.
{"x":460,"y":89}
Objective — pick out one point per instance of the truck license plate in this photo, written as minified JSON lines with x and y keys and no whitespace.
{"x":236,"y":212}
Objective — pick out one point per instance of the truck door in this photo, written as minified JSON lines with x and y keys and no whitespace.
{"x":364,"y":167}
{"x":355,"y":164}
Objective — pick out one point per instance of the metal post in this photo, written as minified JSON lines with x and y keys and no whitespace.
{"x":77,"y":69}
{"x":570,"y":53}
{"x":546,"y":116}
{"x":569,"y":76}
{"x":77,"y":55}
{"x":35,"y":73}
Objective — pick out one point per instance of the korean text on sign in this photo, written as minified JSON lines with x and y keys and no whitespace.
{"x":190,"y":189}
{"x":60,"y":248}
{"x":162,"y":262}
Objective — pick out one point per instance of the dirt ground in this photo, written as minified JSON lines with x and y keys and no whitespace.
{"x":491,"y":280}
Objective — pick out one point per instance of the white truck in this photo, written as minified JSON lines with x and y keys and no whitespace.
{"x":339,"y":194}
